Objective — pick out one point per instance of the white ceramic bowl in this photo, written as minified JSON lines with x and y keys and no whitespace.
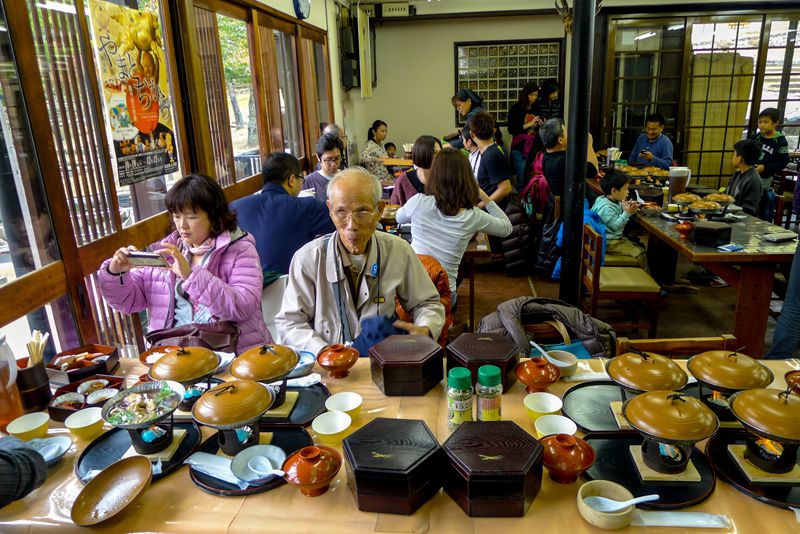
{"x":541,"y":403}
{"x":554,"y":424}
{"x":346,"y":401}
{"x":566,"y":361}
{"x":331,"y":427}
{"x":29,"y":426}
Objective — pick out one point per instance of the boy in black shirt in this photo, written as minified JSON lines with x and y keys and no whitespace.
{"x":774,"y":157}
{"x":494,"y":172}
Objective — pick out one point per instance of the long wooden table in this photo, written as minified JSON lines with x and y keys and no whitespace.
{"x":751,"y":271}
{"x":175,"y":504}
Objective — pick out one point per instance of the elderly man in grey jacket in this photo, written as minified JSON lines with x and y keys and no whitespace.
{"x":337,"y":280}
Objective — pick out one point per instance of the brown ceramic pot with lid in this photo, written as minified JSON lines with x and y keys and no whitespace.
{"x":537,"y":374}
{"x":773,"y":418}
{"x":721,"y":373}
{"x":637,"y":371}
{"x":566,"y":457}
{"x":312,"y":469}
{"x":266,"y":363}
{"x":671,"y":423}
{"x":185,"y":366}
{"x":230,"y":406}
{"x":338,"y":359}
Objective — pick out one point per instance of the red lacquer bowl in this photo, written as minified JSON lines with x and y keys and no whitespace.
{"x":337,"y":360}
{"x":566,"y":457}
{"x":683,"y":229}
{"x":537,"y":374}
{"x":312,"y":469}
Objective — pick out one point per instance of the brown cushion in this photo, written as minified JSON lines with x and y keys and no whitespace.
{"x":627,"y":279}
{"x":618,"y":260}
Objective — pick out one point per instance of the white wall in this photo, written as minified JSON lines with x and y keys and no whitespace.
{"x":416,"y":73}
{"x":318,"y":15}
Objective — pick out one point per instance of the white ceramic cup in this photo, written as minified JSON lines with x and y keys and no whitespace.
{"x":554,"y":424}
{"x":346,"y":401}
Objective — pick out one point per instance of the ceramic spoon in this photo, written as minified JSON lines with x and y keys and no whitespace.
{"x":540,"y":349}
{"x":261,"y":465}
{"x":601,"y":504}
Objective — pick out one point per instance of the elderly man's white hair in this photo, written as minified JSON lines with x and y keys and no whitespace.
{"x":377,"y":188}
{"x":333,"y":129}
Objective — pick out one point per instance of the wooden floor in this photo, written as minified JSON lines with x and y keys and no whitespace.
{"x":707,"y":312}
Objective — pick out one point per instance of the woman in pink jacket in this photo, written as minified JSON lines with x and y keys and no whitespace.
{"x":215,"y":274}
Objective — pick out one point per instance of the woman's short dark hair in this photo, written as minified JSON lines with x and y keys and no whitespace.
{"x":451,"y":183}
{"x":200,"y":192}
{"x":481,"y":125}
{"x":614,"y":179}
{"x":375,"y":125}
{"x":423,"y":151}
{"x":328,"y":142}
{"x":526,"y":90}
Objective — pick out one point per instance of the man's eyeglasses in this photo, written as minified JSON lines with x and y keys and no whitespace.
{"x":332,"y":160}
{"x":302,"y":179}
{"x":360,"y":216}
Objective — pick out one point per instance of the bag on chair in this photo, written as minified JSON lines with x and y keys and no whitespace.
{"x":221,"y":336}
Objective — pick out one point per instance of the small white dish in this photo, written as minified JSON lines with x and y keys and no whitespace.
{"x":304,"y":365}
{"x":90,"y":385}
{"x":101,"y":395}
{"x":225,"y":359}
{"x":240,"y":468}
{"x":554,"y":424}
{"x":51,"y":449}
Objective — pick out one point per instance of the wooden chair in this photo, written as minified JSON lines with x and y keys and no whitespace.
{"x":618,"y":284}
{"x":678,"y":347}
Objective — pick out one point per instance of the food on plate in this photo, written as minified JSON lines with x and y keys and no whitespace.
{"x":719,"y":197}
{"x":137,"y":408}
{"x":72,"y":361}
{"x":91,"y":386}
{"x":685,"y":198}
{"x":705,"y":205}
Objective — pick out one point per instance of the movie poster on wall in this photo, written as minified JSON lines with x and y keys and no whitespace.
{"x":133,"y":73}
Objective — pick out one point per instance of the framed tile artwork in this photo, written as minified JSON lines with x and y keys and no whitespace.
{"x":497,"y":70}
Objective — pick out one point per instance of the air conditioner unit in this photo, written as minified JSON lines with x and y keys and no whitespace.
{"x":396,"y":9}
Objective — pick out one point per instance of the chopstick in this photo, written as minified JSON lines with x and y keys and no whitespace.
{"x":36,"y":347}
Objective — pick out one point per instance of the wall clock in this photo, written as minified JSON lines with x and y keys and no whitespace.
{"x":302,"y":8}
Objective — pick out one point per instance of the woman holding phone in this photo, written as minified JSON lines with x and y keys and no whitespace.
{"x":211,"y":273}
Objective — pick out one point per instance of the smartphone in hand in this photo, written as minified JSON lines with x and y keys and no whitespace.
{"x":146,"y":259}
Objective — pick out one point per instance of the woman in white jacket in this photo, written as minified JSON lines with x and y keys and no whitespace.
{"x":445,"y":218}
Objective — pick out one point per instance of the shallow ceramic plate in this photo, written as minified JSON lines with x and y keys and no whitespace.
{"x":225,"y":359}
{"x":239,"y":467}
{"x":116,"y":487}
{"x":51,"y":449}
{"x":304,"y":366}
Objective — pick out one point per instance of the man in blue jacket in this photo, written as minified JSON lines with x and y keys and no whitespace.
{"x":653,"y":147}
{"x":280,"y":222}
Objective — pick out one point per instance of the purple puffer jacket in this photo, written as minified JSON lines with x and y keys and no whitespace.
{"x":229,"y":286}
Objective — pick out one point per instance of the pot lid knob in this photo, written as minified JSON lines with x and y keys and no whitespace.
{"x":229,"y":388}
{"x":676,"y":397}
{"x":267,"y":348}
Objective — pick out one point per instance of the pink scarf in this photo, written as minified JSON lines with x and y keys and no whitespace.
{"x":199,"y":250}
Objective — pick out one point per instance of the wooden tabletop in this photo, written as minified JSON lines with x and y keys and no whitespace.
{"x":398,"y":162}
{"x":175,"y":504}
{"x":747,"y":233}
